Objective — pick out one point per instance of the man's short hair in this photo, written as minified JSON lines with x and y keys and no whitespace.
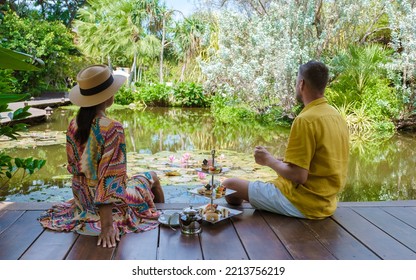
{"x":316,"y":74}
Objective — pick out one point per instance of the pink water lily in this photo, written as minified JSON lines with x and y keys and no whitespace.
{"x":172,"y":158}
{"x":201,"y":175}
{"x":186,"y":156}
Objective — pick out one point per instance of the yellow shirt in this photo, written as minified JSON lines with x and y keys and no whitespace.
{"x":318,"y":142}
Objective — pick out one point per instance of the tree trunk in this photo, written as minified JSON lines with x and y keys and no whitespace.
{"x":161,"y":52}
{"x":182,"y":78}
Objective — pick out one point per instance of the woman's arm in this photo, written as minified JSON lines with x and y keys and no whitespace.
{"x":109,"y":235}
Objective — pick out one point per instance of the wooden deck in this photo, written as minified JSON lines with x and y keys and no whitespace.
{"x":37,"y":110}
{"x":357,"y":231}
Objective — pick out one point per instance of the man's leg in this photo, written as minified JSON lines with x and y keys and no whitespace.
{"x":157,"y":189}
{"x":241,"y":188}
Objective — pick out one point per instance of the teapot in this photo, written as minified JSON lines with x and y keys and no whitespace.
{"x":189,"y":220}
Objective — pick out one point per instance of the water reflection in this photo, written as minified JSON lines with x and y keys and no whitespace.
{"x":377,"y":170}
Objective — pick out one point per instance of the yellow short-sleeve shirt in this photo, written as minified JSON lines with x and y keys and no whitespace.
{"x":319,"y":143}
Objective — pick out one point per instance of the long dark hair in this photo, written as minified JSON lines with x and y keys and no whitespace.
{"x":85,"y":117}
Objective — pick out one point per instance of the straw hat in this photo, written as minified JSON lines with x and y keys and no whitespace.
{"x":95,"y":85}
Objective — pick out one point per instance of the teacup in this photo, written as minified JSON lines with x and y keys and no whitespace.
{"x":170,"y":217}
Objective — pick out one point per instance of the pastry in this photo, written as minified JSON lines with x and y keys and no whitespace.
{"x":212,"y":216}
{"x":201,"y":191}
{"x":214,"y":169}
{"x":204,"y":165}
{"x":225,"y":212}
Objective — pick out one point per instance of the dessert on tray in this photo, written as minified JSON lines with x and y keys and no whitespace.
{"x":205,"y":166}
{"x":214,"y":213}
{"x":214,"y":169}
{"x":208,"y":190}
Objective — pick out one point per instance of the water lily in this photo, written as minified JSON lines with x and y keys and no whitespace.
{"x":186,"y":156}
{"x":172,"y":158}
{"x":201,"y":175}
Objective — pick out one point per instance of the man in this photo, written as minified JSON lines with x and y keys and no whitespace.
{"x":315,"y":165}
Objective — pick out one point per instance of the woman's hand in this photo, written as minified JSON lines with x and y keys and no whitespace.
{"x":108,"y":236}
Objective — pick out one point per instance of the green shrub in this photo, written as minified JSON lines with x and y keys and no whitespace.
{"x":361,"y":84}
{"x":189,"y":94}
{"x":153,"y":94}
{"x":228,"y":111}
{"x":125,"y":96}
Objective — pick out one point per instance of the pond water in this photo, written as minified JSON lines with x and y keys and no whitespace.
{"x":158,"y":138}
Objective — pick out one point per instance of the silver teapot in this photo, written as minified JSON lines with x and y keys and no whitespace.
{"x":189,"y":220}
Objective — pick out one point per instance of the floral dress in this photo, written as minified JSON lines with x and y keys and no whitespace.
{"x":99,"y":177}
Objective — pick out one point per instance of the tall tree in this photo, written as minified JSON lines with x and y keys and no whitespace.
{"x":121,"y":29}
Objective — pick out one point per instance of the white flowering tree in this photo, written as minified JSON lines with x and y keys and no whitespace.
{"x":259,"y":53}
{"x":402,"y":19}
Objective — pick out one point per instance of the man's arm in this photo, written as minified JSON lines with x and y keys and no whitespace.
{"x":292,"y":172}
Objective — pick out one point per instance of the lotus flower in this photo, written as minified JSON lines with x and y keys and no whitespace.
{"x":201,"y":175}
{"x":172,"y":158}
{"x":186,"y":156}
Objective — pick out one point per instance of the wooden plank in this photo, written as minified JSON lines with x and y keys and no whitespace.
{"x":338,"y":241}
{"x":173,"y":245}
{"x":374,"y":238}
{"x":85,"y":248}
{"x":401,"y":203}
{"x":394,"y":227}
{"x":298,"y":239}
{"x":19,"y":236}
{"x":51,"y":245}
{"x":405,"y":214}
{"x":220,"y":241}
{"x":7,"y":218}
{"x":253,"y":231}
{"x":138,"y":246}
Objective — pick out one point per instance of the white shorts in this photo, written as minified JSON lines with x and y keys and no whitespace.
{"x":265,"y":196}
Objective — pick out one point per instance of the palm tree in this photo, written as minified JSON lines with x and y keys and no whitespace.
{"x":187,"y":36}
{"x":124,"y":28}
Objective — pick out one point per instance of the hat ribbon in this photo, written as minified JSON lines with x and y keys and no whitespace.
{"x":103,"y":86}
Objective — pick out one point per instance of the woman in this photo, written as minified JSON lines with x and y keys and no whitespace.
{"x":106,"y":203}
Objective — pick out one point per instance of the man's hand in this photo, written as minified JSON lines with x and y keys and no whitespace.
{"x":108,"y":236}
{"x":262,"y":156}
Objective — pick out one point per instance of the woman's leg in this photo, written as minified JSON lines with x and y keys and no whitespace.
{"x":157,"y":189}
{"x":241,"y":188}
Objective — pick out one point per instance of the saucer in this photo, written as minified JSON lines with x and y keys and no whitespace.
{"x":164,"y":219}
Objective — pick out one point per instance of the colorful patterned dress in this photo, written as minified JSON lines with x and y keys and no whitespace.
{"x":99,"y":177}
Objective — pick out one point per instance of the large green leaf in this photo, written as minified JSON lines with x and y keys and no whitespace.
{"x":16,"y":61}
{"x":7,"y":98}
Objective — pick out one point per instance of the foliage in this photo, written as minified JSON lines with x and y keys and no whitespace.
{"x":119,"y":30}
{"x":189,"y":95}
{"x":51,"y":10}
{"x":402,"y":19}
{"x":10,"y":166}
{"x":124,"y":96}
{"x":361,"y":89}
{"x":225,"y":110}
{"x":164,"y":95}
{"x":51,"y":42}
{"x":154,"y":94}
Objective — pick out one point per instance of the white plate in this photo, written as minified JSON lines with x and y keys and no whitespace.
{"x":233,"y":213}
{"x":227,"y":192}
{"x":164,"y":218}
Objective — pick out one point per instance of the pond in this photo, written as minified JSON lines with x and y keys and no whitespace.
{"x":162,"y":139}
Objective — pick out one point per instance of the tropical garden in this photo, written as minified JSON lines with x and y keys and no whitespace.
{"x":237,"y":60}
